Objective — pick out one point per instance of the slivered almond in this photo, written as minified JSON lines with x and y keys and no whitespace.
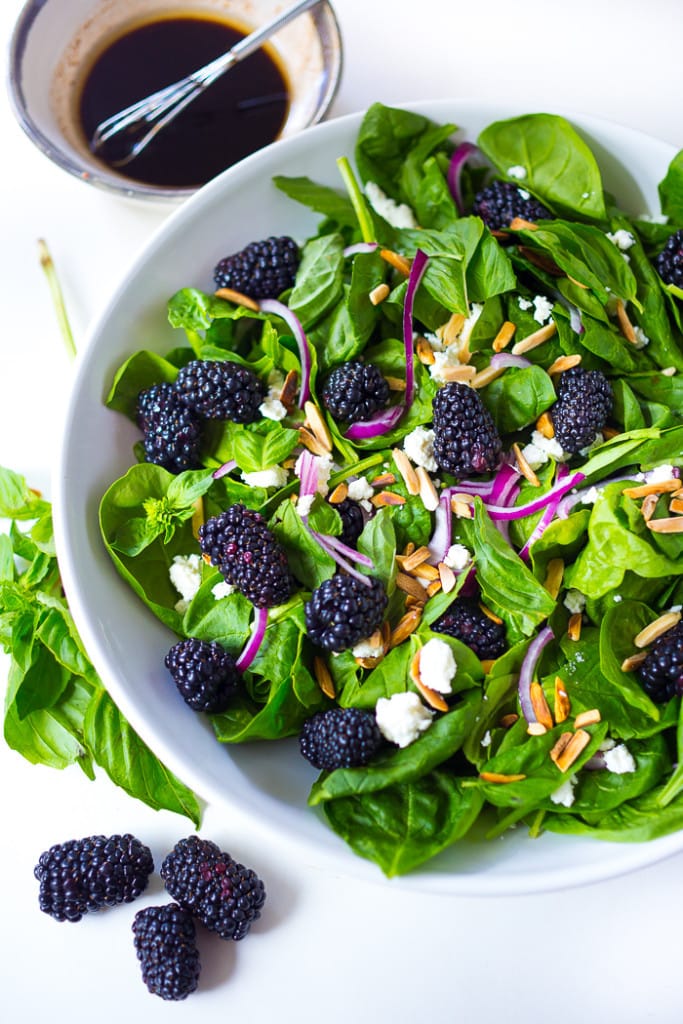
{"x":509,"y":720}
{"x":540,"y":705}
{"x":395,"y":383}
{"x":433,"y":588}
{"x":540,"y":259}
{"x":406,"y":625}
{"x":338,"y":494}
{"x":409,"y":548}
{"x":663,"y":487}
{"x":230,"y":295}
{"x":524,"y":467}
{"x":574,"y":748}
{"x":424,"y":352}
{"x":624,"y":323}
{"x":563,"y":363}
{"x":674,"y":525}
{"x":609,"y":432}
{"x":534,"y":340}
{"x":676,"y":505}
{"x":462,"y":509}
{"x":562,"y":704}
{"x":316,"y":422}
{"x":491,"y":615}
{"x":631,"y":663}
{"x":649,"y":506}
{"x":385,"y":498}
{"x":545,"y":426}
{"x":574,"y":626}
{"x":561,"y":745}
{"x":504,"y":336}
{"x":425,"y":571}
{"x":379,"y":294}
{"x":655,"y":629}
{"x":206,"y":558}
{"x":553,"y":576}
{"x":311,"y":442}
{"x":323,"y":677}
{"x":453,"y":328}
{"x":579,"y":284}
{"x":289,"y":390}
{"x":409,"y":585}
{"x":407,"y":471}
{"x":433,"y":698}
{"x":370,"y":662}
{"x":463,"y":373}
{"x":536,"y":729}
{"x":520,"y":224}
{"x":385,"y":480}
{"x":447,"y":577}
{"x":416,"y":558}
{"x":486,"y":376}
{"x":499,"y":777}
{"x":428,"y":492}
{"x":487,"y":664}
{"x":591,"y":717}
{"x":395,"y":260}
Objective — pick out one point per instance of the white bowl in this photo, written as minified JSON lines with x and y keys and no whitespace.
{"x":127,"y":644}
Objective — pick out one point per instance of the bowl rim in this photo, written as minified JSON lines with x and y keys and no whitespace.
{"x":626,"y":857}
{"x":128,"y":187}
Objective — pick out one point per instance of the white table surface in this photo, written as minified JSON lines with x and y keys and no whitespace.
{"x":327,"y":948}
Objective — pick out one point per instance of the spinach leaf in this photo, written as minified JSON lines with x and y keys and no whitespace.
{"x":519,"y":397}
{"x":328,"y":201}
{"x":319,"y":279}
{"x":671,"y":190}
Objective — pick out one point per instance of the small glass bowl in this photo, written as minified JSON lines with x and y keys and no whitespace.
{"x":55,"y":44}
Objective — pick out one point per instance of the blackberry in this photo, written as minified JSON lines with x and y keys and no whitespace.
{"x":164,"y":939}
{"x":661,"y":674}
{"x":352,"y":521}
{"x":669,"y":262}
{"x":88,"y":874}
{"x":261,"y":270}
{"x":465,"y":621}
{"x":465,"y":437}
{"x":500,"y":202}
{"x":220,"y":390}
{"x":354,"y":391}
{"x":249,"y":557}
{"x":340,"y":738}
{"x":204,"y":673}
{"x":225,"y":896}
{"x":344,"y":610}
{"x":584,"y":401}
{"x":171,"y":432}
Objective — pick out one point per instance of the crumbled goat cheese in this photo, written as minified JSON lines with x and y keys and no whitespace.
{"x":419,"y":447}
{"x":366,"y":649}
{"x":272,"y":409}
{"x":457,"y":557}
{"x":523,"y":193}
{"x":659,"y":474}
{"x":676,"y":608}
{"x":360,"y":489}
{"x":541,"y":449}
{"x":622,"y":239}
{"x":185,"y":573}
{"x":399,"y":215}
{"x":402,"y":717}
{"x":271,"y":476}
{"x":641,"y":337}
{"x":486,"y":739}
{"x":524,"y":303}
{"x":543,"y":307}
{"x":442,"y":361}
{"x":476,"y":309}
{"x":564,"y":794}
{"x":222,"y":589}
{"x":607,"y":744}
{"x":574,"y":601}
{"x":619,"y":760}
{"x":517,"y":171}
{"x":305,"y":504}
{"x":437,"y":665}
{"x":323,"y":467}
{"x":617,"y":598}
{"x":590,"y":497}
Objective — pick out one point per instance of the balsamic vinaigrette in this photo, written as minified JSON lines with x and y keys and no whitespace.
{"x":238,"y":114}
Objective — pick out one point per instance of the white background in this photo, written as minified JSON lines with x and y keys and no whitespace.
{"x":327,"y":948}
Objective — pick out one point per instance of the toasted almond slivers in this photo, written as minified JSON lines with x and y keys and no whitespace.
{"x":540,"y":705}
{"x":428,"y":492}
{"x":407,"y":471}
{"x":463,"y":373}
{"x":574,"y":626}
{"x":486,"y":376}
{"x":425,"y":571}
{"x":406,"y":625}
{"x":416,"y":558}
{"x":631,"y":663}
{"x":671,"y":525}
{"x":311,"y":442}
{"x":524,"y":467}
{"x":609,"y":432}
{"x":591,"y":717}
{"x":397,"y":261}
{"x":237,"y":298}
{"x":432,"y":697}
{"x":395,"y":383}
{"x":453,"y":328}
{"x":424,"y":352}
{"x":649,"y":506}
{"x":563,"y":363}
{"x":536,"y":729}
{"x":385,"y":498}
{"x":553,"y":576}
{"x":624,"y":322}
{"x":509,"y":720}
{"x":535,"y":339}
{"x":561,"y":744}
{"x":409,"y":548}
{"x":676,"y":505}
{"x":323,"y":677}
{"x":487,"y":664}
{"x":642,"y":490}
{"x":461,"y":509}
{"x":384,"y":480}
{"x":520,"y":224}
{"x":504,"y":336}
{"x":545,"y":426}
{"x":562,"y":705}
{"x":576,"y":745}
{"x":379,"y":294}
{"x":655,"y":629}
{"x":409,"y":585}
{"x":206,"y":558}
{"x":338,"y":494}
{"x":317,"y":425}
{"x":370,"y":662}
{"x":499,"y":777}
{"x":447,"y":577}
{"x":289,"y":390}
{"x":433,"y":588}
{"x":491,"y":615}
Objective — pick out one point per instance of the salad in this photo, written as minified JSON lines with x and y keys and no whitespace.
{"x":409,"y":490}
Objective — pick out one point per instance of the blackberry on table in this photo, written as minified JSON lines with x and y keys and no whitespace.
{"x":465,"y":437}
{"x":171,"y":433}
{"x":354,"y":391}
{"x":247,"y":554}
{"x":500,"y":202}
{"x":352,"y":521}
{"x":465,"y":621}
{"x":584,"y":402}
{"x":661,"y":673}
{"x":204,"y":673}
{"x":89,"y":874}
{"x":669,"y":262}
{"x":224,"y":895}
{"x":340,"y":738}
{"x":261,"y":270}
{"x":343,"y":610}
{"x":220,"y":390}
{"x":164,"y":939}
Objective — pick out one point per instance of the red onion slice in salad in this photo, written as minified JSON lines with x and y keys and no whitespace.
{"x":441,"y":537}
{"x":294,"y":324}
{"x":460,"y":157}
{"x":342,"y":562}
{"x":251,"y":648}
{"x":417,"y":269}
{"x":360,"y":247}
{"x":520,"y":511}
{"x":223,"y":470}
{"x":380,"y":423}
{"x":505,"y":359}
{"x":527,"y":669}
{"x":547,"y":517}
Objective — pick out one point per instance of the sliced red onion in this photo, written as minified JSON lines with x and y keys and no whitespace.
{"x":527,"y":669}
{"x":502,"y":360}
{"x":344,"y":550}
{"x":547,"y":517}
{"x":417,"y":269}
{"x":575,"y":321}
{"x":223,"y":470}
{"x":308,"y":474}
{"x":505,"y":485}
{"x":294,"y":324}
{"x":460,"y":157}
{"x":441,"y":538}
{"x":483,"y":489}
{"x":251,"y":648}
{"x":596,"y":763}
{"x":381,"y":423}
{"x":322,"y":540}
{"x":360,"y":247}
{"x":538,"y":504}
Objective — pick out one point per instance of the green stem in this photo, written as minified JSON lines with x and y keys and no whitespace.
{"x":57,"y":297}
{"x":357,"y":199}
